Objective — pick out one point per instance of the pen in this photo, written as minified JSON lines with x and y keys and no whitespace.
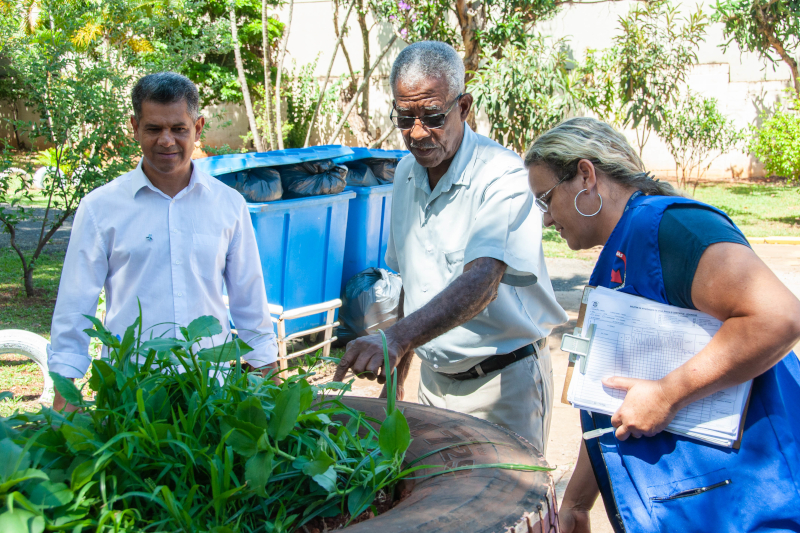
{"x":597,"y":432}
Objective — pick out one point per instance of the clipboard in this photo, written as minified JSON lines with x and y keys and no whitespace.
{"x":582,"y":345}
{"x":567,"y":346}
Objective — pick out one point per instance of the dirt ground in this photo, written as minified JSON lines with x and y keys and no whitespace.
{"x":569,"y":276}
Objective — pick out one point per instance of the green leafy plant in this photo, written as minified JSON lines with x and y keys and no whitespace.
{"x":642,"y":74}
{"x":176,"y":438}
{"x":526,"y":90}
{"x":777,"y":142}
{"x":697,"y":133}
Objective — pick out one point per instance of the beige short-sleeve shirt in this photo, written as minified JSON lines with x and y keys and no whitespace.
{"x":481,"y":207}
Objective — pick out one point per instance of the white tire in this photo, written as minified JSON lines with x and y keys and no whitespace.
{"x":32,"y":346}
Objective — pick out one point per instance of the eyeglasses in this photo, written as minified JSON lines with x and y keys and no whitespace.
{"x":431,"y":122}
{"x":543,"y":206}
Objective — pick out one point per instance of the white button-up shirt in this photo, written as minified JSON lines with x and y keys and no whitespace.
{"x":481,"y":207}
{"x":170,"y":254}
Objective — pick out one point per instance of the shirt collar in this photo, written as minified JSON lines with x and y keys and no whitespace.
{"x":459,"y":172}
{"x":139,"y":180}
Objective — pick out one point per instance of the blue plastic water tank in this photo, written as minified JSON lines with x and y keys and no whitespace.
{"x":301,"y":244}
{"x":367,"y":229}
{"x":359,"y":153}
{"x":224,"y":164}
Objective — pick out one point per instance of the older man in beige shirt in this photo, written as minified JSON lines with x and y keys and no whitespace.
{"x":466,"y":239}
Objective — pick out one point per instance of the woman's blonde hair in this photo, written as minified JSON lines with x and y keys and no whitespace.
{"x":561,"y":148}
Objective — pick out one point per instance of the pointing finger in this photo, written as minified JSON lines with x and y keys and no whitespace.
{"x":345,"y":363}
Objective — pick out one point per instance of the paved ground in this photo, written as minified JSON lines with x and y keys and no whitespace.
{"x":28,"y":233}
{"x":569,"y":276}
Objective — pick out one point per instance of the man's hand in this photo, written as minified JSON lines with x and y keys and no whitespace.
{"x":59,"y":403}
{"x":646,"y":410}
{"x":365,"y":356}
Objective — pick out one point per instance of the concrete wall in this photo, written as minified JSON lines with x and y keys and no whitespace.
{"x":742,"y":82}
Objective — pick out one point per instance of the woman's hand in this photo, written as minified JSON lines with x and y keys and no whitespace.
{"x":646,"y":410}
{"x":574,"y":520}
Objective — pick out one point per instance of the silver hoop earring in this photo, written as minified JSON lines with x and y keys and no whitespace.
{"x":583,"y":214}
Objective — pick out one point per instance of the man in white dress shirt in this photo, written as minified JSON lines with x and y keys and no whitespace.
{"x":165,"y":234}
{"x":466,"y":239}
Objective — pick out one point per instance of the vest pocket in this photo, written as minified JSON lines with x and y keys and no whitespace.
{"x":685,"y":500}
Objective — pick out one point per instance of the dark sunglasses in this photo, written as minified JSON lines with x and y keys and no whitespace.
{"x":431,"y":122}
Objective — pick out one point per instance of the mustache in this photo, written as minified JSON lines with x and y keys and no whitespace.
{"x":423,"y":146}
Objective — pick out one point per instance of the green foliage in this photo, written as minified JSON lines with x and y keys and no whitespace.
{"x":696,"y":133}
{"x":768,"y":27}
{"x":214,"y":71}
{"x":498,"y":22}
{"x":526,"y":90}
{"x":777,"y":142}
{"x":81,"y":97}
{"x":641,"y":75}
{"x":211,"y":447}
{"x":301,"y":89}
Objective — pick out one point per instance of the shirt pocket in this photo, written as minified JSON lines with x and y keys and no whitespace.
{"x":207,"y":259}
{"x":454,"y":260}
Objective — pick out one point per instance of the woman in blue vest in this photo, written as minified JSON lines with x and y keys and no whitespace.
{"x":590,"y":184}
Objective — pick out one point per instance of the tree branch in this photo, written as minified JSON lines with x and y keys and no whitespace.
{"x":327,"y":74}
{"x":385,"y":136}
{"x":352,"y":103}
{"x":772,"y":39}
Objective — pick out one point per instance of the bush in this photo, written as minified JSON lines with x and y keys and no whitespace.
{"x":777,"y":142}
{"x":697,"y":133}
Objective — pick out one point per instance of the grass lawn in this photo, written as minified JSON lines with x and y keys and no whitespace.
{"x":760,"y":210}
{"x":18,"y":311}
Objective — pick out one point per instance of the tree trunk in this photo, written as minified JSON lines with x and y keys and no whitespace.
{"x":14,"y":125}
{"x":281,"y":56}
{"x":772,"y":39}
{"x":471,"y":19}
{"x":269,"y":118}
{"x":28,"y":276}
{"x":362,"y":24}
{"x":248,"y":104}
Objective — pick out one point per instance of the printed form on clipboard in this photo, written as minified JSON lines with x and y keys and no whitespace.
{"x":635,"y":337}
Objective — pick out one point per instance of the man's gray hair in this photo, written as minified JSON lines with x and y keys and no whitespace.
{"x":166,"y":88}
{"x":429,"y":59}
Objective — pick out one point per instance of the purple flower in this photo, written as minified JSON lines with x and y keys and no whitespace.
{"x":404,"y":33}
{"x":402,"y":5}
{"x":392,"y":17}
{"x":413,"y":18}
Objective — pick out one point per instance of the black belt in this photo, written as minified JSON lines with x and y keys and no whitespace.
{"x":498,"y":362}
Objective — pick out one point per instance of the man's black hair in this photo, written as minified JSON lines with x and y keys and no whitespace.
{"x":166,"y":88}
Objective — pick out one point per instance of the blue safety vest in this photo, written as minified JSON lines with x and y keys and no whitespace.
{"x":673,"y":483}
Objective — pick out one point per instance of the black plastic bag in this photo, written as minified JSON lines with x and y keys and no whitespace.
{"x":256,"y":185}
{"x":360,"y":175}
{"x":313,"y":179}
{"x":370,"y":301}
{"x":383,"y":169}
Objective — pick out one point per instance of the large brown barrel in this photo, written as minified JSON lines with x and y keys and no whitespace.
{"x":490,"y":500}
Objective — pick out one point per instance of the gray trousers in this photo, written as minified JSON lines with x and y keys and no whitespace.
{"x":518,"y":397}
